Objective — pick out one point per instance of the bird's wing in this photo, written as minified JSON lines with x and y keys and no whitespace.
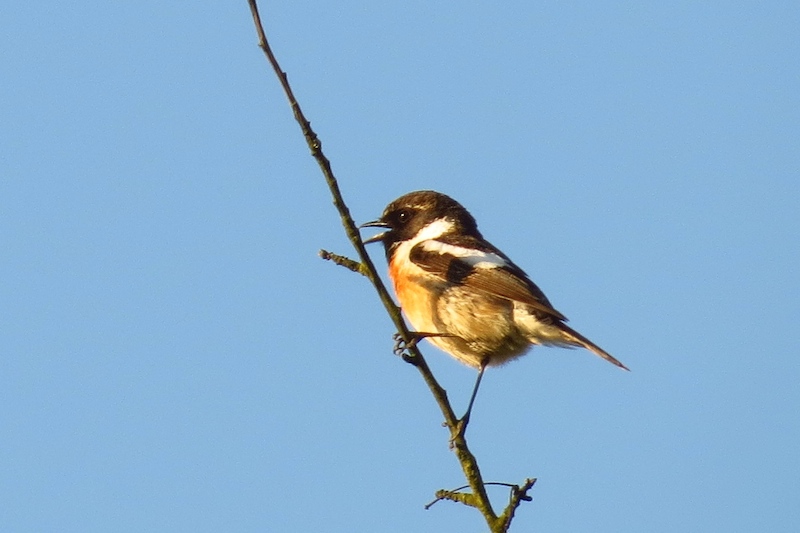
{"x":481,"y":266}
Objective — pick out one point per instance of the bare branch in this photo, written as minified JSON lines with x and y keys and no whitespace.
{"x":518,"y":495}
{"x":343,"y":261}
{"x":454,"y":496}
{"x":478,"y":498}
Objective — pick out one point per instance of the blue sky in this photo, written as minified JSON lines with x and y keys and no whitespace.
{"x":175,"y":357}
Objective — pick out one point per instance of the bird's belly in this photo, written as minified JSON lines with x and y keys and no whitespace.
{"x":484,"y":328}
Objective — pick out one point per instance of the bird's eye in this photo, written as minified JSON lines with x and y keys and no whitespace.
{"x":403,"y":216}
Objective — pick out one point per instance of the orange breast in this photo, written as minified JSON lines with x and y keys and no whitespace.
{"x":415,"y":300}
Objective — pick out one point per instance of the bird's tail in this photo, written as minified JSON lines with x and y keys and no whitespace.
{"x":580,"y":340}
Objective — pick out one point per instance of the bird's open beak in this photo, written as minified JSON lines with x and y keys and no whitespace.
{"x":375,"y":224}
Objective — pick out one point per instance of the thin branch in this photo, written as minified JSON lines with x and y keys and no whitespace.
{"x":454,"y":496}
{"x":343,"y":261}
{"x":518,"y":495}
{"x":365,"y":266}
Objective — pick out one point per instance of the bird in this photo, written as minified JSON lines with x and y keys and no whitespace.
{"x":462,"y":293}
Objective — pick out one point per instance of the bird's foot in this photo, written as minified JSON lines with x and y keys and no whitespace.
{"x":402,"y":347}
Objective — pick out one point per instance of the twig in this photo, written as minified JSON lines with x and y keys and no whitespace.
{"x":518,"y":495}
{"x":343,"y":261}
{"x":454,"y":496}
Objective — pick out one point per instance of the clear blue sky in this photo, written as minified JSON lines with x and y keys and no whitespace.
{"x":175,"y":357}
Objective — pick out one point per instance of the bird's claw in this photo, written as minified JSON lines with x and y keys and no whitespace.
{"x":401,"y":347}
{"x":399,"y":344}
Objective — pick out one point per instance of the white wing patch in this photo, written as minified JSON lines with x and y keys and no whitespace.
{"x":472,"y":257}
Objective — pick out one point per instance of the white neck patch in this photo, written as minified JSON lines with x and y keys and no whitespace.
{"x":433,"y":230}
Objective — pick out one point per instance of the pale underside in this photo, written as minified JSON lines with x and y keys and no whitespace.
{"x":482,"y":329}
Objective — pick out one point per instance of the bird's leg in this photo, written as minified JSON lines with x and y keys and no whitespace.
{"x":461,"y":426}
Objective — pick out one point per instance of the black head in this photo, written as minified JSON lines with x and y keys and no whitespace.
{"x":413,"y":212}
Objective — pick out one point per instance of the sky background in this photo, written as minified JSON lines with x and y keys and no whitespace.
{"x":175,"y":357}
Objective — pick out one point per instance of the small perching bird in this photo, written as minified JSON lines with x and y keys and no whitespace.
{"x":463,"y":294}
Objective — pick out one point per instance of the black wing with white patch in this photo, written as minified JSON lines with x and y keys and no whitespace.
{"x":470,"y":261}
